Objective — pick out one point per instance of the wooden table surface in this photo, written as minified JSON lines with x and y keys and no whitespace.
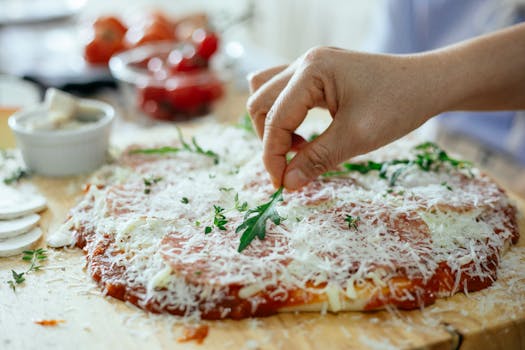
{"x":490,"y":319}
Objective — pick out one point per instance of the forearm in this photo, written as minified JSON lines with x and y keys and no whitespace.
{"x":486,"y":73}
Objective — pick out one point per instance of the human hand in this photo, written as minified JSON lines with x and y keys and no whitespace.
{"x":373,"y":100}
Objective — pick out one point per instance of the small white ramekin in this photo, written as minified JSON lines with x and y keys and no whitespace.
{"x":64,"y":152}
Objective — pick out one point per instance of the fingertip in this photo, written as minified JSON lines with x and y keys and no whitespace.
{"x":276,"y":182}
{"x":295,"y":179}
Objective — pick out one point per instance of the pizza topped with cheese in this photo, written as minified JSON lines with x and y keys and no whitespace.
{"x":195,"y":228}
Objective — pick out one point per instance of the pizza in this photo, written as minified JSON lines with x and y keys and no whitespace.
{"x":195,"y":228}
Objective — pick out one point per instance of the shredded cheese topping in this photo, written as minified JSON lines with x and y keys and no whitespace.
{"x":406,"y":230}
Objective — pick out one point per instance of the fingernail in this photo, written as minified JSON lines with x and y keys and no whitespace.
{"x":295,"y":179}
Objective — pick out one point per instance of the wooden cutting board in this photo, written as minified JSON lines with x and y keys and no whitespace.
{"x":490,"y":319}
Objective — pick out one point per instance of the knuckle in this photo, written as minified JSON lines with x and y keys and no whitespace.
{"x":253,"y":107}
{"x":315,"y":54}
{"x":256,"y":80}
{"x":318,"y":160}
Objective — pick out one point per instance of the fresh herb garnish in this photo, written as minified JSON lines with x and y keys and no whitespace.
{"x":184,"y":200}
{"x":238,"y":205}
{"x":226,"y":189}
{"x":245,"y":123}
{"x":150,"y":182}
{"x":159,"y":150}
{"x":429,"y":157}
{"x":352,"y":221}
{"x":447,"y":186}
{"x":219,"y":220}
{"x":18,"y":174}
{"x":193,"y":148}
{"x":35,"y":257}
{"x":313,"y":137}
{"x":254,"y":224}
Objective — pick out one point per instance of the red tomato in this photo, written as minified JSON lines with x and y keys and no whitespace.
{"x":205,"y":42}
{"x":194,"y":93}
{"x":155,"y":28}
{"x":185,"y":60}
{"x":109,"y":27}
{"x":107,"y":40}
{"x":152,"y":100}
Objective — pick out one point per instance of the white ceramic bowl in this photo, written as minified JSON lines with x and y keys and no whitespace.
{"x":64,"y":152}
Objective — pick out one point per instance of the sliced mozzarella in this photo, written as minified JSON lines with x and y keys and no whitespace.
{"x":16,"y":203}
{"x":16,"y":245}
{"x":15,"y":227}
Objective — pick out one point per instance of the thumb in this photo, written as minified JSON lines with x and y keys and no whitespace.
{"x":318,"y":157}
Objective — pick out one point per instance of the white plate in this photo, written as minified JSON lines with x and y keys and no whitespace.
{"x":19,"y":201}
{"x":15,"y":227}
{"x":16,"y":245}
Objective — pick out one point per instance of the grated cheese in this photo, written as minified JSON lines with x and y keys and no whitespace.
{"x":411,"y":227}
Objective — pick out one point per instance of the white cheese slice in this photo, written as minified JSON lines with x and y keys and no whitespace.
{"x":16,"y":245}
{"x":15,"y":227}
{"x":16,"y":203}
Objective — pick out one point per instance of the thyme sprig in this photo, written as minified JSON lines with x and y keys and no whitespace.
{"x":352,"y":221}
{"x":219,"y":220}
{"x":35,"y":257}
{"x":254,"y":224}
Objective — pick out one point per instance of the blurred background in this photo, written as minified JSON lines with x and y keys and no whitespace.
{"x":44,"y":42}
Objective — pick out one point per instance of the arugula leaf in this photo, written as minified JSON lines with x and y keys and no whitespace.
{"x":429,"y":157}
{"x":313,"y":137}
{"x":245,"y":123}
{"x":254,"y":224}
{"x":207,"y":153}
{"x":193,"y":148}
{"x":159,"y":150}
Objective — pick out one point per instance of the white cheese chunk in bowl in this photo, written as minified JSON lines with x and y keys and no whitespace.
{"x":76,"y":147}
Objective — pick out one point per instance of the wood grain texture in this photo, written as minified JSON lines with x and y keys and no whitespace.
{"x":489,"y":319}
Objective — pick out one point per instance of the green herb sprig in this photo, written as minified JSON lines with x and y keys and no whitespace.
{"x":219,"y":220}
{"x":148,"y":182}
{"x":254,"y":224}
{"x":245,"y":123}
{"x":352,"y":221}
{"x":193,"y":148}
{"x":35,"y":257}
{"x":429,"y":157}
{"x":238,"y":205}
{"x":16,"y":176}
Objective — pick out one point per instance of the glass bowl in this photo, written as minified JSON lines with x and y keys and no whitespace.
{"x":154,"y":85}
